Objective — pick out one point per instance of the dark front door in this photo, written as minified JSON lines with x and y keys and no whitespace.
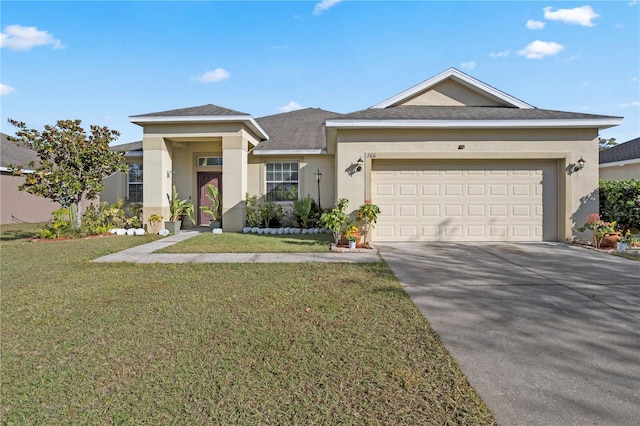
{"x":204,"y":179}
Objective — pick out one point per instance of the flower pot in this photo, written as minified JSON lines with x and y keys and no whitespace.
{"x":214,"y":224}
{"x":621,"y":247}
{"x":352,"y":244}
{"x":610,"y":240}
{"x":172,"y":227}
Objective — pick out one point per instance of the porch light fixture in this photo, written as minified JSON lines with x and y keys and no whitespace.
{"x":169,"y":173}
{"x":359,"y":164}
{"x":580,"y":165}
{"x":318,"y":176}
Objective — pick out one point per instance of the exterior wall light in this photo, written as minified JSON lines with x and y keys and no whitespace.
{"x":359,"y":164}
{"x":580,"y":165}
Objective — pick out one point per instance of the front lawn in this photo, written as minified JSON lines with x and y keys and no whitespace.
{"x":86,"y":343}
{"x":231,"y":242}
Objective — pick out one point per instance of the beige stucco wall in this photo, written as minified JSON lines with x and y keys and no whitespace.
{"x":308,"y":166}
{"x":22,"y":206}
{"x":628,"y":171}
{"x":578,"y":194}
{"x":450,"y":93}
{"x":115,"y":188}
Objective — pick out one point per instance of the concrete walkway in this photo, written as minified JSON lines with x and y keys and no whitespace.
{"x":145,"y":254}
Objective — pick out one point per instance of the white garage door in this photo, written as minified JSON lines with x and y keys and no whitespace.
{"x":444,"y":200}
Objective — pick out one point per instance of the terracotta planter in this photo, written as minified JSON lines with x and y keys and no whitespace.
{"x":610,"y":240}
{"x":344,"y":241}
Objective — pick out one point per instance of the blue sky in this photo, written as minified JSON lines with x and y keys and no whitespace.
{"x":104,"y":61}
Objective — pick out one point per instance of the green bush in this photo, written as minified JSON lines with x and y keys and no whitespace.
{"x":620,"y":202}
{"x":96,"y":220}
{"x":307,"y":213}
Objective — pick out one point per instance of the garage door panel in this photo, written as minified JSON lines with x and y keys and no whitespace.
{"x":440,"y":200}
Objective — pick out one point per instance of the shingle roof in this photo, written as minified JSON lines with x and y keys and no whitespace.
{"x":11,"y":153}
{"x":131,"y":146}
{"x":202,"y":110}
{"x":625,"y":151}
{"x":414,"y":112}
{"x":296,"y":130}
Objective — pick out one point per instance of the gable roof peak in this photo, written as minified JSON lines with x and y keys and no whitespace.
{"x":461,"y":78}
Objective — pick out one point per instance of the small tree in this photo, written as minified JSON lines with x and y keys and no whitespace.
{"x":71,"y":164}
{"x":606,"y":143}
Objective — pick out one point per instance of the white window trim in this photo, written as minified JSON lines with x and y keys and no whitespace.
{"x":266,"y":181}
{"x":129,"y":183}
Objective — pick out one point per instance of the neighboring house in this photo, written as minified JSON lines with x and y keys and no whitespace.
{"x":450,"y":159}
{"x":621,"y":162}
{"x":18,"y":206}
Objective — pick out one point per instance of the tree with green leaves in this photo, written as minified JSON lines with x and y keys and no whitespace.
{"x":606,"y":143}
{"x":71,"y":163}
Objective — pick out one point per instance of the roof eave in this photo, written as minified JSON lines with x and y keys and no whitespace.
{"x":620,"y":163}
{"x":253,"y":124}
{"x":289,"y":151}
{"x":604,"y":123}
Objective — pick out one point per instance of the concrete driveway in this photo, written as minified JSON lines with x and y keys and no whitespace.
{"x":548,"y":334}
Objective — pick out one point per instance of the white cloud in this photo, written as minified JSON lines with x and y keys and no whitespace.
{"x":629,"y":104}
{"x":503,"y":54}
{"x":281,"y":46}
{"x":324,"y":5}
{"x":468,"y":65}
{"x":633,"y":2}
{"x":634,"y":78}
{"x":5,"y":90}
{"x":535,"y":25}
{"x":579,"y":15}
{"x":17,"y":37}
{"x":291,"y":106}
{"x":214,"y":76}
{"x":539,"y":49}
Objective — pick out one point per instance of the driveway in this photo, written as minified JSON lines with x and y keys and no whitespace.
{"x":548,"y":334}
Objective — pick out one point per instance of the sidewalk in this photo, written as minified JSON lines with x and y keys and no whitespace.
{"x":145,"y":254}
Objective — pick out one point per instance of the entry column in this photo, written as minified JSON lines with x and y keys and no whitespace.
{"x":234,"y":182}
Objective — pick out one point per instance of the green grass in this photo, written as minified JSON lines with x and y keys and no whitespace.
{"x":627,"y":255}
{"x":17,"y":231}
{"x":231,"y":242}
{"x":86,"y":343}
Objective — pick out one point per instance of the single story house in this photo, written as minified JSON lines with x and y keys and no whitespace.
{"x":621,"y":162}
{"x":449,"y":159}
{"x":17,"y":206}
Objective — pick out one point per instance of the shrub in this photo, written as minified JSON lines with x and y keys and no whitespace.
{"x":620,"y":203}
{"x":307,"y":212}
{"x":253,"y":214}
{"x":336,"y":218}
{"x":270,"y":213}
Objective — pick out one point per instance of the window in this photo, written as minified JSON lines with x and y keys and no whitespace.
{"x":209,"y":161}
{"x":134,"y":183}
{"x":282,"y":181}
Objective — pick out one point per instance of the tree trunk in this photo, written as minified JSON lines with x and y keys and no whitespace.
{"x":78,"y":215}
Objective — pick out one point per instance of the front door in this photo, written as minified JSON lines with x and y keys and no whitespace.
{"x":204,"y":179}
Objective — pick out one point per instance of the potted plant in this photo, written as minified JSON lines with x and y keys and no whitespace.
{"x":624,"y":241}
{"x":213,"y":209}
{"x":154,"y":220}
{"x":352,"y":234}
{"x":178,"y":209}
{"x":604,"y":233}
{"x":368,"y":215}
